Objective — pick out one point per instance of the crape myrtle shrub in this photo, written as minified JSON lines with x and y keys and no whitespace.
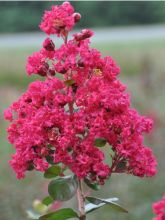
{"x":78,"y":109}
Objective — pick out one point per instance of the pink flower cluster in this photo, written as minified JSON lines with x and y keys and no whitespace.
{"x":61,"y":117}
{"x":159,"y":209}
{"x":59,"y":20}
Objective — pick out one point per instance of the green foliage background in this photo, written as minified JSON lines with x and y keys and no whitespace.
{"x":142,"y":70}
{"x":16,"y":18}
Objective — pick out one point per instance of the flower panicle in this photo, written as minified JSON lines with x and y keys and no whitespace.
{"x":80,"y":104}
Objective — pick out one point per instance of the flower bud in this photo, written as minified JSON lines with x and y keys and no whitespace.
{"x":101,"y":182}
{"x":74,"y":88}
{"x":77,"y":17}
{"x":80,"y":63}
{"x":65,"y":4}
{"x":52,"y":72}
{"x":62,"y":70}
{"x":87,"y":33}
{"x":78,"y":36}
{"x":48,"y":44}
{"x":42,"y":71}
{"x":30,"y":166}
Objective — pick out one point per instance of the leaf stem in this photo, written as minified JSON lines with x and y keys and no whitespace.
{"x":81,"y":200}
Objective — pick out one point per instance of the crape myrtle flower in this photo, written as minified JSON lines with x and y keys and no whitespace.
{"x":159,"y":209}
{"x":63,"y":117}
{"x":60,"y":19}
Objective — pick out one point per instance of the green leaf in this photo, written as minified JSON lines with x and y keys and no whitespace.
{"x":69,"y":82}
{"x":47,"y":200}
{"x":52,"y":172}
{"x":97,"y":203}
{"x":61,"y":214}
{"x":49,"y":159}
{"x":90,"y":207}
{"x":100,"y":142}
{"x":63,"y":188}
{"x":93,"y":186}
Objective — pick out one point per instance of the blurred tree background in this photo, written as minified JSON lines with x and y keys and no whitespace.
{"x":102,"y":13}
{"x":142,"y":70}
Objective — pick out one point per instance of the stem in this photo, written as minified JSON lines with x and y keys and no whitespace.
{"x":66,"y":39}
{"x":81,"y":201}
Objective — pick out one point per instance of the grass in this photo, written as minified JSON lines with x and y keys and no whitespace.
{"x":142,"y":65}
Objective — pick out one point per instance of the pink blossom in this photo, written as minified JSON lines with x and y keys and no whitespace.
{"x":60,"y":18}
{"x":8,"y":114}
{"x":36,"y":64}
{"x":61,"y":118}
{"x":40,"y":165}
{"x":159,"y":209}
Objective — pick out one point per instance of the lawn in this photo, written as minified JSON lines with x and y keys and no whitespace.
{"x":142,"y":69}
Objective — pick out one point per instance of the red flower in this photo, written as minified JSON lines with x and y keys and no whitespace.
{"x":159,"y":209}
{"x":58,"y":19}
{"x":62,"y":117}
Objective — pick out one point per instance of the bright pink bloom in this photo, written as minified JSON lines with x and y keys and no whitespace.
{"x":36,"y":64}
{"x":60,"y":18}
{"x":8,"y":114}
{"x":159,"y":209}
{"x":39,"y":62}
{"x":62,"y":118}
